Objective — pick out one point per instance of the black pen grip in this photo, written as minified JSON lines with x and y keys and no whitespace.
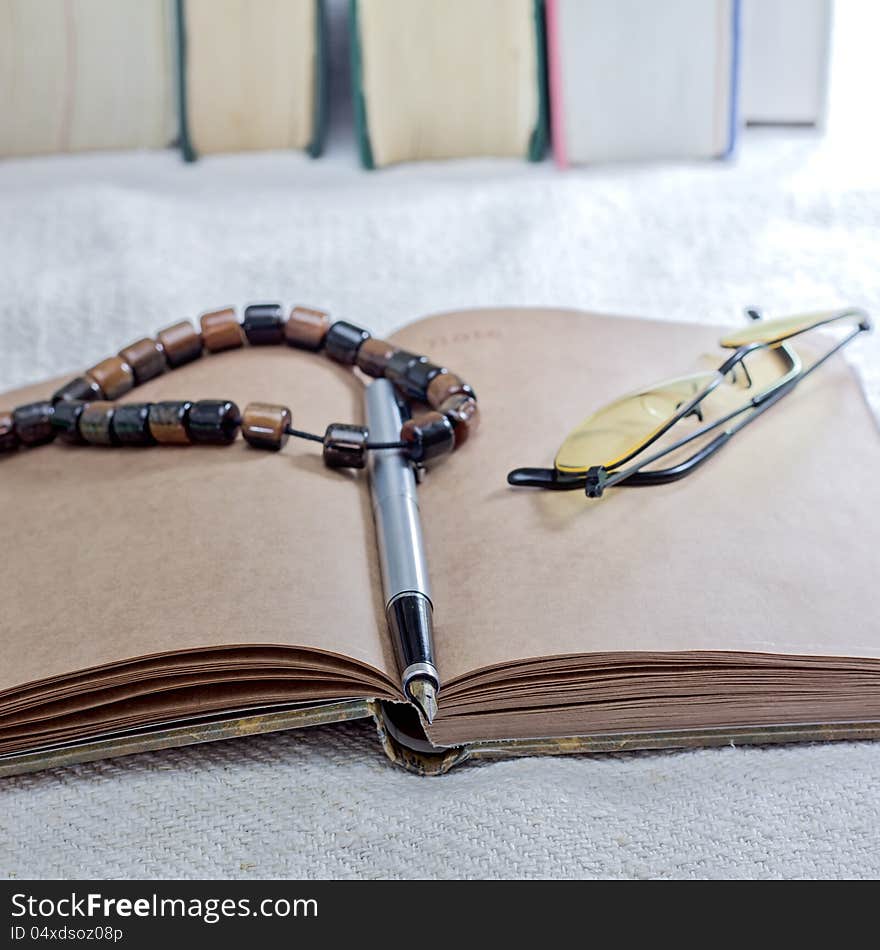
{"x":410,"y":617}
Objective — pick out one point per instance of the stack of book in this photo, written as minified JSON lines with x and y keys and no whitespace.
{"x":431,"y":79}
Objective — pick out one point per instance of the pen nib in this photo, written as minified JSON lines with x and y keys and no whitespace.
{"x":424,"y":695}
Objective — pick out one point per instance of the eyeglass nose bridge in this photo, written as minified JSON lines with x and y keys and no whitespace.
{"x":738,"y":357}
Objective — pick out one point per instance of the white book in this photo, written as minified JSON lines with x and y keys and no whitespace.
{"x":785,"y":59}
{"x":637,"y":80}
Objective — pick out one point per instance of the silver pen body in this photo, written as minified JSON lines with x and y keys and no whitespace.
{"x":407,"y":590}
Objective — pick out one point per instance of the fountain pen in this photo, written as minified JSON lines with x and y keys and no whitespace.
{"x":407,"y":591}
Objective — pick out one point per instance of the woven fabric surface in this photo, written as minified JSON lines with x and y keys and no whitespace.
{"x":98,"y":250}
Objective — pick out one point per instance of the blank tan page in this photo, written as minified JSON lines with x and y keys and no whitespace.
{"x":114,"y":554}
{"x":770,"y":547}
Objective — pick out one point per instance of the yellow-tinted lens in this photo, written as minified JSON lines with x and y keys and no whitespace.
{"x":616,"y":432}
{"x":773,"y":331}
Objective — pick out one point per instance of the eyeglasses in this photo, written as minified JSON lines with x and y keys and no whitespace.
{"x":610,"y":447}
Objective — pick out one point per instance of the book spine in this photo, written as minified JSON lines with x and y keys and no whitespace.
{"x":735,"y":60}
{"x":361,"y":123}
{"x":538,"y":138}
{"x":319,"y":113}
{"x":554,"y":75}
{"x":184,"y":141}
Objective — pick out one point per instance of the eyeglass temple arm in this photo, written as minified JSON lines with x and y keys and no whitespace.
{"x":595,"y":482}
{"x":598,"y":479}
{"x":553,"y":479}
{"x":544,"y":478}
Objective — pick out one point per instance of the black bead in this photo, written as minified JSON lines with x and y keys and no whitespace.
{"x":417,"y":377}
{"x":131,"y":424}
{"x":400,"y":363}
{"x":81,"y":389}
{"x":429,"y":437}
{"x":345,"y":446}
{"x":65,"y":421}
{"x":263,"y":324}
{"x":343,"y":341}
{"x":213,"y":422}
{"x":411,"y":373}
{"x":33,"y":423}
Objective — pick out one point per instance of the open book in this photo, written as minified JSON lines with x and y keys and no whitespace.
{"x":165,"y":596}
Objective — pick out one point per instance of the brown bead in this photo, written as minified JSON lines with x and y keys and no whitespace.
{"x":8,"y":438}
{"x":221,"y":330}
{"x":429,"y":435}
{"x":81,"y":389}
{"x":345,"y":446}
{"x":114,"y":376}
{"x":146,"y":358}
{"x":264,"y":425}
{"x":306,"y":328}
{"x":462,"y":411}
{"x":168,"y":422}
{"x":181,"y":342}
{"x":96,"y":423}
{"x":33,"y":423}
{"x":444,"y":385}
{"x":374,"y":355}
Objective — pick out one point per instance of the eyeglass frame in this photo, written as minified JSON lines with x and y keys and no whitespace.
{"x":598,"y":478}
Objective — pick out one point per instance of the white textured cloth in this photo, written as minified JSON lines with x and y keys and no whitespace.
{"x":98,"y":250}
{"x":323,"y":803}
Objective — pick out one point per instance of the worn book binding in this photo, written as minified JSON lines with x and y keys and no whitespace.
{"x":158,"y":598}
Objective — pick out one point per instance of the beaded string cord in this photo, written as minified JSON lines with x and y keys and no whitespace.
{"x":83,"y":411}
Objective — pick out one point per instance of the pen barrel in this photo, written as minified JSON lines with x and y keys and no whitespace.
{"x":401,"y":555}
{"x":395,"y":500}
{"x":407,"y":590}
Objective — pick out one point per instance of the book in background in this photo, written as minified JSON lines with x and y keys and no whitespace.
{"x":450,"y":79}
{"x":785,"y":61}
{"x":85,"y":74}
{"x":251,"y":75}
{"x":634,"y":80}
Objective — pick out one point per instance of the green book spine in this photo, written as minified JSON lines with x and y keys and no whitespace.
{"x":362,"y":128}
{"x":539,"y":136}
{"x":319,"y":125}
{"x":537,"y":140}
{"x":183,"y":139}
